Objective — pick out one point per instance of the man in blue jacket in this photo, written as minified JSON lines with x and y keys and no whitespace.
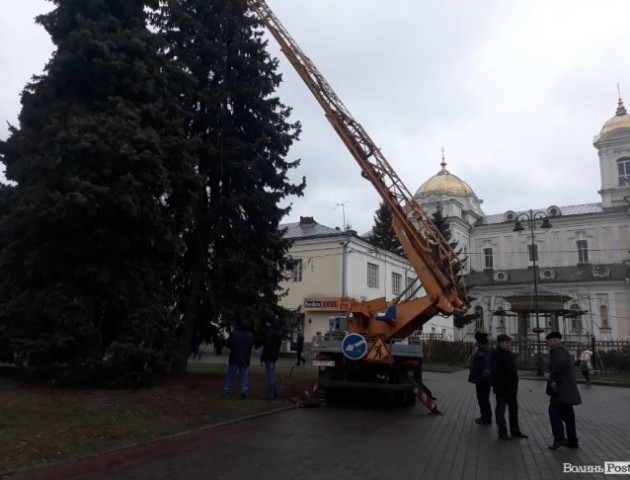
{"x":240,"y":342}
{"x":480,"y":376}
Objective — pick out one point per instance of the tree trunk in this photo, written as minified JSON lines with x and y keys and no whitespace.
{"x":192,"y":304}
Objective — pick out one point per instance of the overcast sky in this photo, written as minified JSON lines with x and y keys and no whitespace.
{"x":514,"y":92}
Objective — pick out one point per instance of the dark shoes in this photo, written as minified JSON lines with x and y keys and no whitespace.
{"x":505,"y":436}
{"x":481,"y":421}
{"x":271,"y":397}
{"x":564,"y":443}
{"x":227,"y":396}
{"x":557,"y":445}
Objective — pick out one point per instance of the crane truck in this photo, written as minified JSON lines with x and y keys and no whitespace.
{"x":368,"y":353}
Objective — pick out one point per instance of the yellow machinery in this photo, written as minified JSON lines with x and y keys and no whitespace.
{"x":436,"y":264}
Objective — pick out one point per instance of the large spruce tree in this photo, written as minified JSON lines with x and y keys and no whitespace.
{"x":383,"y":235}
{"x":89,"y":241}
{"x":240,"y":134}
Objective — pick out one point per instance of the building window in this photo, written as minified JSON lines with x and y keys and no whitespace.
{"x":396,"y":281}
{"x":576,"y":325}
{"x":487,"y":255}
{"x":479,"y":327}
{"x":372,"y":275}
{"x":296,"y":270}
{"x":623,"y":167}
{"x":582,"y":248}
{"x":533,"y":252}
{"x":603,"y":313}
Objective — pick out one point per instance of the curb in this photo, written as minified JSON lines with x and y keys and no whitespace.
{"x":605,"y":383}
{"x":131,"y":453}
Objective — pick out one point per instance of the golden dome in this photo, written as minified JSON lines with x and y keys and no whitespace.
{"x":445,"y":182}
{"x":620,"y":120}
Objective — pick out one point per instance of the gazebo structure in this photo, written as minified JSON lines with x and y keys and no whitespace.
{"x":541,"y":302}
{"x":526,"y":304}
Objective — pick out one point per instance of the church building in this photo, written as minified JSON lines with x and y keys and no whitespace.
{"x":560,"y":267}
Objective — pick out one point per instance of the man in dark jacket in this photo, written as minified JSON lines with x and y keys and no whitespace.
{"x":480,"y":376}
{"x":504,"y":379}
{"x":299,"y":348}
{"x":563,"y":394}
{"x":269,"y":356}
{"x":240,"y":343}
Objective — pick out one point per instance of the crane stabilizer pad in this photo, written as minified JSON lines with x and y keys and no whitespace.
{"x":425,"y":396}
{"x":379,"y":353}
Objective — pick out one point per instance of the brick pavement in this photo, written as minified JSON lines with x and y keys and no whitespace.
{"x":382,"y":443}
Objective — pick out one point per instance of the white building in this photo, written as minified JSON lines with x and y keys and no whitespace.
{"x":333,"y":265}
{"x":583,"y":260}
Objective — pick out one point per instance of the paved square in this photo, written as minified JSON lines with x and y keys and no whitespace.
{"x":380,"y":443}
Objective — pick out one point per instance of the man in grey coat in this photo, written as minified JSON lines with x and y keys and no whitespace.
{"x":563,"y":392}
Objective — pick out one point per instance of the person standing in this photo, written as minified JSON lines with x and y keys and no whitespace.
{"x":504,"y":379}
{"x":240,"y":342}
{"x":299,"y":348}
{"x":196,"y":348}
{"x":480,"y":376}
{"x":585,"y":364}
{"x":563,"y":394}
{"x":269,"y":356}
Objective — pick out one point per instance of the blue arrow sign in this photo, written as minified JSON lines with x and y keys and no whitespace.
{"x":354,"y":346}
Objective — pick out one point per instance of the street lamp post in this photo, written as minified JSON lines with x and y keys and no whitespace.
{"x":518,"y":227}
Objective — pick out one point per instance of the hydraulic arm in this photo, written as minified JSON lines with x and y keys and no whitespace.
{"x":437,"y":265}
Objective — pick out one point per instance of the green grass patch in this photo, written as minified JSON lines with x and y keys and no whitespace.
{"x":441,"y":367}
{"x":610,"y":377}
{"x":41,"y":424}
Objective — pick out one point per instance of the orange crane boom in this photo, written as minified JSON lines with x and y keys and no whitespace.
{"x":437,"y":265}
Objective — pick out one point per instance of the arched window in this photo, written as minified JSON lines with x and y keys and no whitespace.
{"x":623,"y":168}
{"x":501,"y":316}
{"x":582,"y":249}
{"x":487,"y":255}
{"x":576,"y":321}
{"x":479,"y":327}
{"x":603,"y":314}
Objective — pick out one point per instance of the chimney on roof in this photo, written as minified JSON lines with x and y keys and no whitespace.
{"x":307,"y":221}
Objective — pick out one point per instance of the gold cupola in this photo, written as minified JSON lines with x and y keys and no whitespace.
{"x":444,"y":182}
{"x":620,"y":120}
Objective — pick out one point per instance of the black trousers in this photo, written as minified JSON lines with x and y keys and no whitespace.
{"x":499,"y":413}
{"x":483,"y":399}
{"x":561,"y":415}
{"x":300,"y":358}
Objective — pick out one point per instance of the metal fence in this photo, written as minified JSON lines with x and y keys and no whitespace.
{"x":609,"y":356}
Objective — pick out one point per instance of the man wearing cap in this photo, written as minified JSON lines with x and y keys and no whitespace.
{"x":480,"y":376}
{"x":563,"y":396}
{"x":504,"y":378}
